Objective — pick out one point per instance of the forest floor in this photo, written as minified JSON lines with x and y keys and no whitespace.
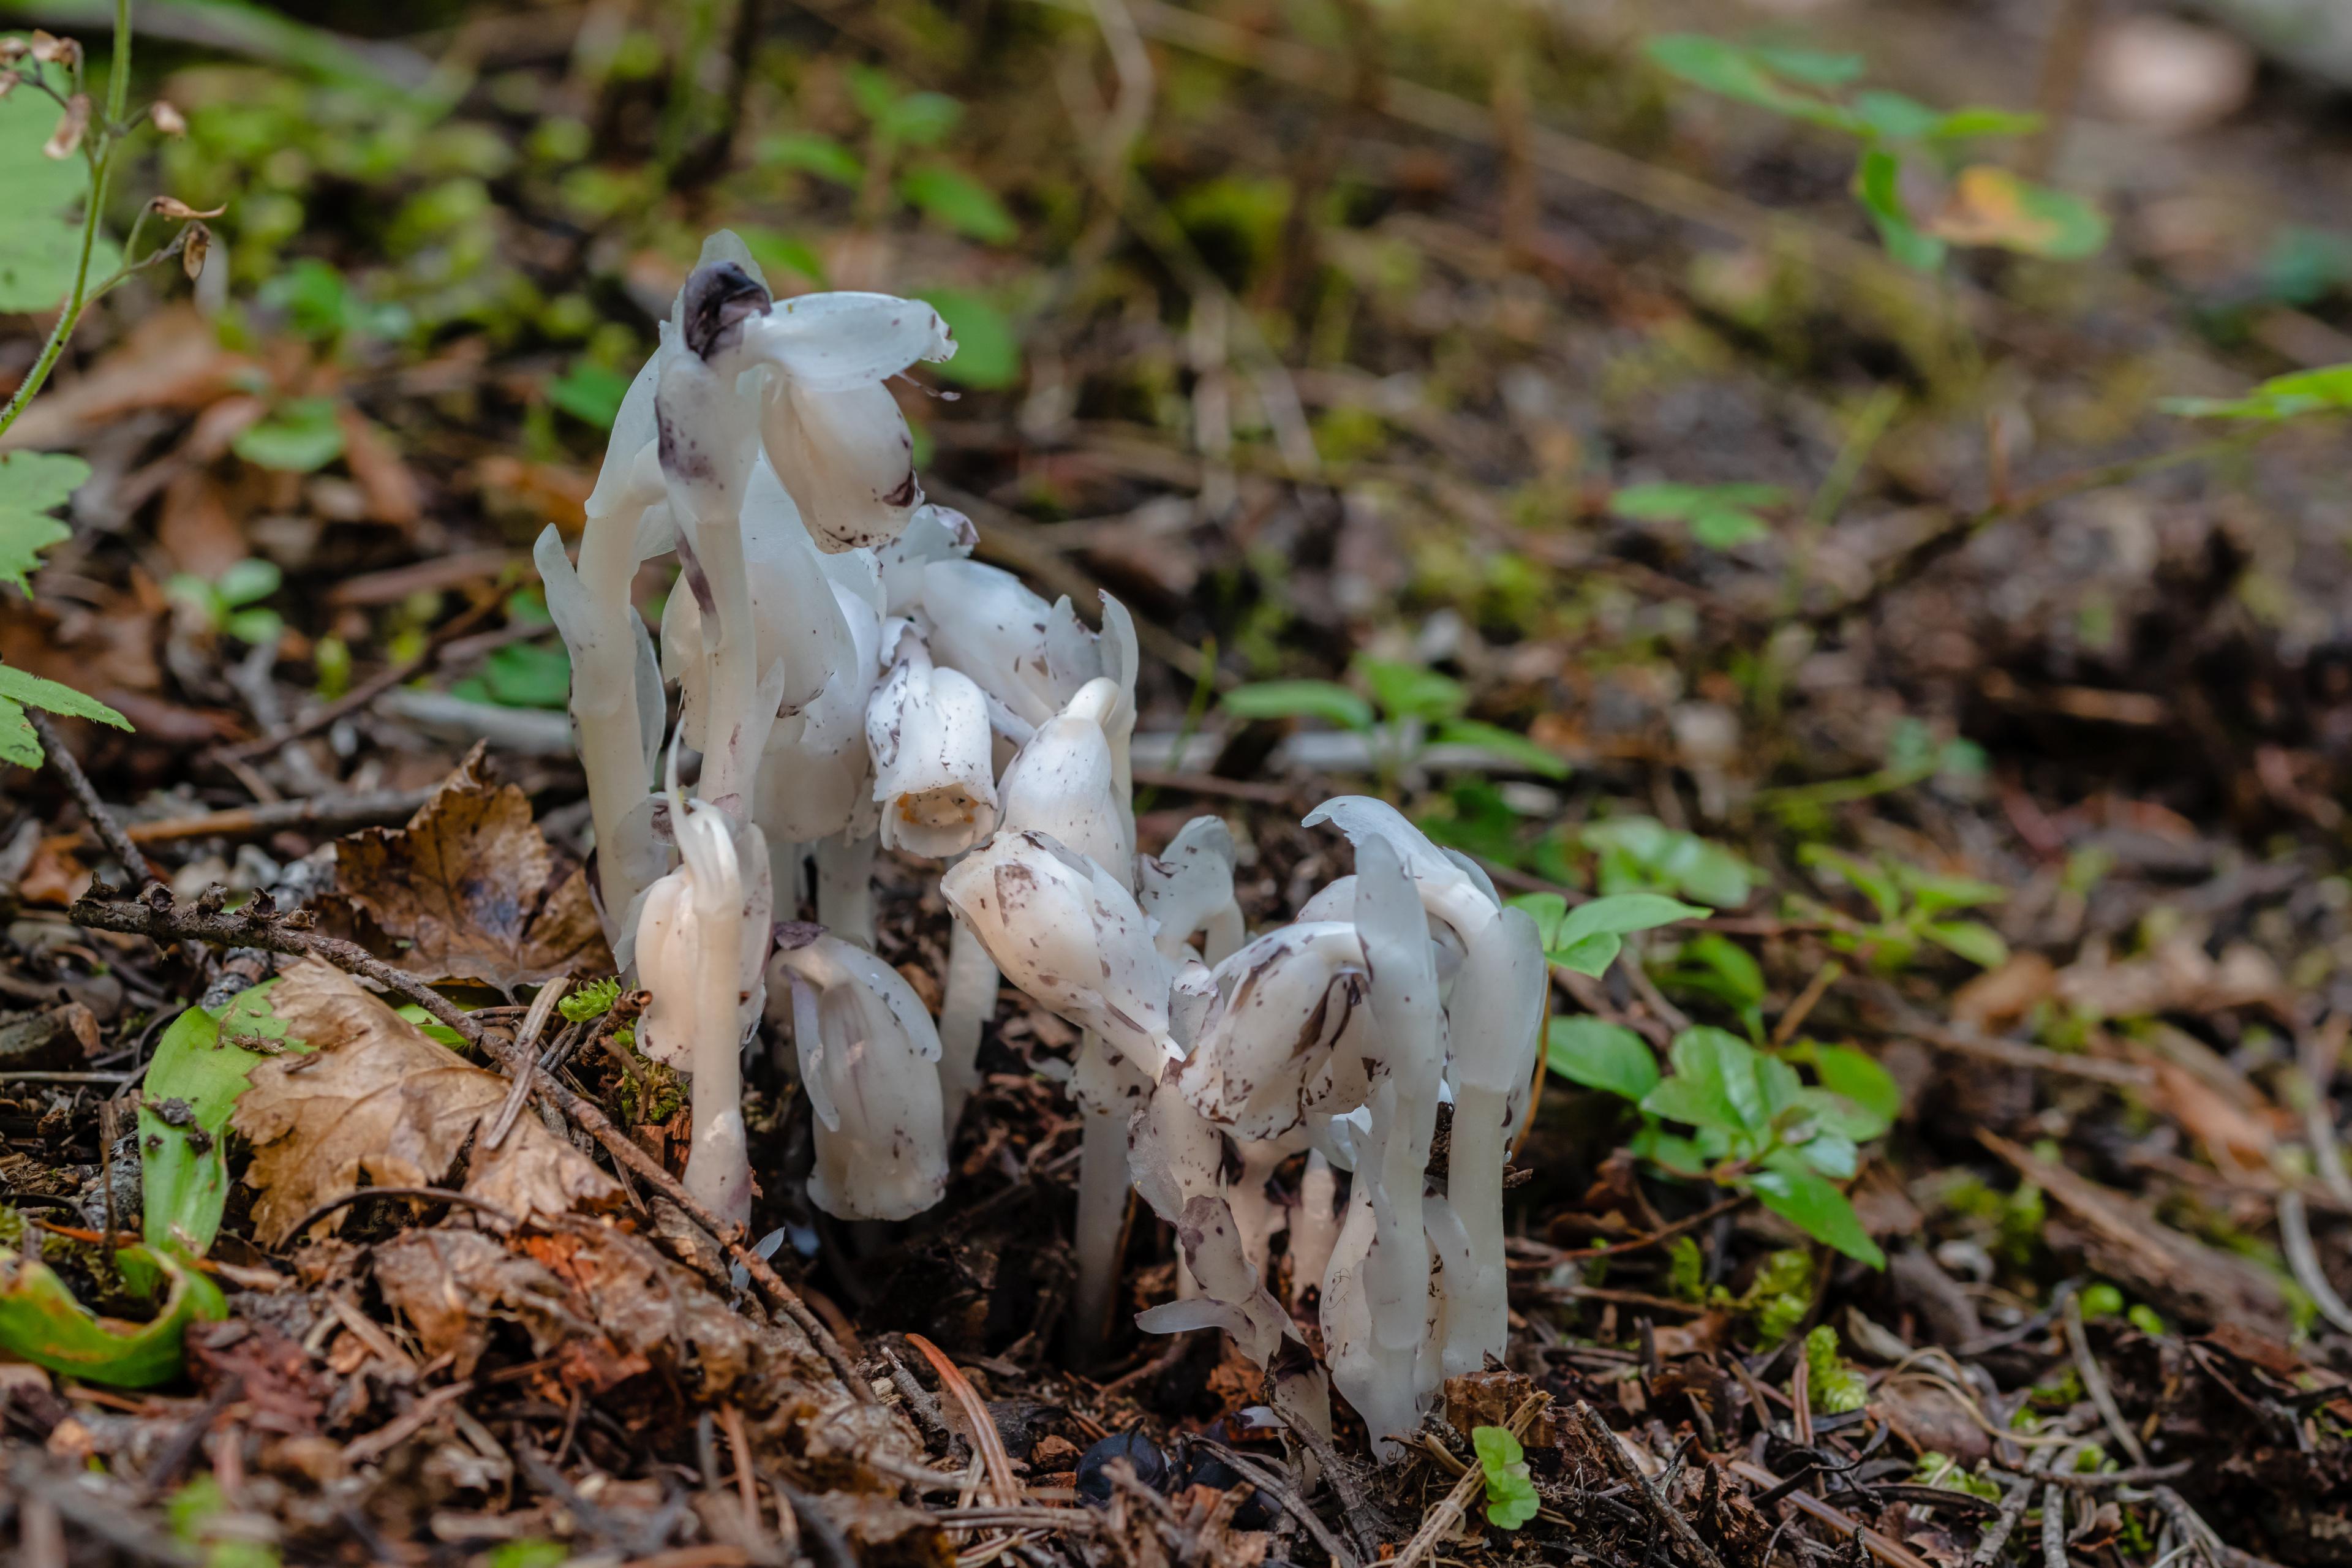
{"x":2002,"y":719}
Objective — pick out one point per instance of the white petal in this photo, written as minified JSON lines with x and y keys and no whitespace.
{"x":848,"y":457}
{"x":831,"y":342}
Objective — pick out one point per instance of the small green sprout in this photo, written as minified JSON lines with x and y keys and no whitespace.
{"x":1835,"y":1386}
{"x":1511,"y":1499}
{"x":593,"y":1000}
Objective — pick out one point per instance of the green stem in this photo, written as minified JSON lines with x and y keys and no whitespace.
{"x":101,"y":165}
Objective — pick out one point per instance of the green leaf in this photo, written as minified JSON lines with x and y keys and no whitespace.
{"x":1728,"y":527}
{"x":1990,"y":205}
{"x":1895,"y":116}
{"x":1814,"y":68}
{"x":1753,"y":76}
{"x":39,"y":250}
{"x":33,"y":485}
{"x":813,"y":154}
{"x":1546,"y":910}
{"x":1300,"y":700}
{"x":529,"y":675}
{"x":19,"y":742}
{"x":42,"y":1324}
{"x":920,"y":118}
{"x":1728,"y":970}
{"x":1878,"y":185}
{"x":1587,"y":938}
{"x":1511,"y":1498}
{"x":779,"y":252}
{"x":1834,"y":1155}
{"x":957,"y":200}
{"x":2328,"y":390}
{"x":1408,"y":691}
{"x":248,"y":582}
{"x":1669,"y":1152}
{"x":297,"y":437}
{"x":873,"y":89}
{"x":988,"y":349}
{"x":1972,"y":939}
{"x":1641,"y":853}
{"x":1963,"y":123}
{"x":1872,"y":882}
{"x":1507,"y":746}
{"x":590,"y":393}
{"x":1855,"y":1074}
{"x":192,"y":1086}
{"x":1714,"y":1085}
{"x":593,"y":1000}
{"x":1814,"y":1206}
{"x":1600,"y":1055}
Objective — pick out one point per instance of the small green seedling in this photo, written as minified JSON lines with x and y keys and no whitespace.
{"x":1906,"y":149}
{"x":1720,"y":517}
{"x":231,"y":603}
{"x":1915,"y":908}
{"x":1511,"y":1499}
{"x":1833,"y":1384}
{"x":1411,"y":709}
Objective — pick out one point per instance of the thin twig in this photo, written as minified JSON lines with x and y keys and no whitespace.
{"x":118,"y":843}
{"x":2095,"y":1382}
{"x":2053,"y":1528}
{"x":1274,"y":1485}
{"x":2303,"y":1259}
{"x":984,"y":1435}
{"x":425,"y":1194}
{"x":1620,"y":1465}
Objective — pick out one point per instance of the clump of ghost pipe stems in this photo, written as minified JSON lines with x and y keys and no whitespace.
{"x":853,"y":682}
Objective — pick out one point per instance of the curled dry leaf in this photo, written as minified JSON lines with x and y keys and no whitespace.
{"x":379,"y":1098}
{"x":471,"y":885}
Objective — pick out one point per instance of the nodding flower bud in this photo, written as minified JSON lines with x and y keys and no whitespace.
{"x":869,"y":1064}
{"x":1290,"y":1039}
{"x":1232,"y":1297}
{"x":1069,"y":935}
{"x":1063,"y":783}
{"x":1188,"y":888}
{"x":927,"y":729}
{"x":701,"y":939}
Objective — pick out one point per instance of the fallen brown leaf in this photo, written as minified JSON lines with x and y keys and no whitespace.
{"x":380,"y":1098}
{"x":469,"y":883}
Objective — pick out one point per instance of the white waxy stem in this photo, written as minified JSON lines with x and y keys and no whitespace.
{"x":933,"y":780}
{"x":1188,"y":888}
{"x":1258,"y":1216}
{"x":815,"y":772}
{"x":967,"y":1004}
{"x":869,"y":1062}
{"x":1062,"y":783}
{"x":800,"y":622}
{"x":1314,"y":1226}
{"x":701,"y":936}
{"x":1174,"y":1155}
{"x":1108,"y":1089}
{"x":1412,"y":1052}
{"x":1070,"y":936}
{"x":1289,"y":1041}
{"x":1495,"y":1018}
{"x":1232,"y":1297}
{"x":845,"y":886}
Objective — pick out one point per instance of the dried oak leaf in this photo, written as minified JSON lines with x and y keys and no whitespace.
{"x":378,"y":1098}
{"x":471,"y":885}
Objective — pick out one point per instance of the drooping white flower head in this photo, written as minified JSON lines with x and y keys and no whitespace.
{"x":1069,"y":935}
{"x":869,"y":1064}
{"x":933,"y":533}
{"x":927,"y":730}
{"x":1289,"y":1041}
{"x":814,"y":773}
{"x":1030,"y":657}
{"x":1232,"y":1297}
{"x":1062,"y":783}
{"x":1188,"y":888}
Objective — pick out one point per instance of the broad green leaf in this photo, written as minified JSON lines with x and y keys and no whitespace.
{"x":297,"y":437}
{"x":248,"y":581}
{"x":813,"y":154}
{"x":1895,"y":116}
{"x":1300,"y":700}
{"x":1728,"y":527}
{"x":38,"y":261}
{"x":41,"y":1323}
{"x":2328,"y":390}
{"x":1670,"y":1152}
{"x":1600,"y":1055}
{"x":1639,"y":853}
{"x":873,"y":89}
{"x":1665,"y":500}
{"x":1731,"y":970}
{"x":959,"y":202}
{"x":1872,"y":882}
{"x":1831,"y":1154}
{"x":1587,"y":938}
{"x":1511,"y":1496}
{"x":1813,"y":1205}
{"x":1990,"y":205}
{"x":921,"y":119}
{"x":1408,"y":691}
{"x":32,"y":486}
{"x":1777,"y":1083}
{"x":1878,"y":185}
{"x":1507,"y":746}
{"x":988,"y":349}
{"x":1753,"y":76}
{"x":1546,"y":910}
{"x":590,"y":393}
{"x":39,"y":248}
{"x":1814,"y":68}
{"x":779,"y":252}
{"x":1935,"y":892}
{"x":1972,"y":939}
{"x":1963,"y":123}
{"x":1713,"y":1084}
{"x":19,"y":691}
{"x":192,"y":1085}
{"x":529,"y":675}
{"x":1855,"y":1075}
